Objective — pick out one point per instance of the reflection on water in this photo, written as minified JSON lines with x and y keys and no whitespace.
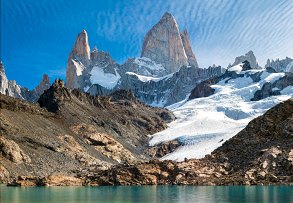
{"x":168,"y":194}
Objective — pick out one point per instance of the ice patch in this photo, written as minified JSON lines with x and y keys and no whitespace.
{"x":271,"y":77}
{"x":237,"y":68}
{"x":107,"y":80}
{"x":289,"y":67}
{"x":288,"y":91}
{"x":148,"y":63}
{"x":147,"y":78}
{"x":78,"y":66}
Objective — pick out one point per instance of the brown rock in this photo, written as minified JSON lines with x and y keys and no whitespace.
{"x":60,"y":180}
{"x":11,"y":151}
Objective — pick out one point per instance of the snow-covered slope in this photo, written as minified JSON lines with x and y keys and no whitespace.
{"x":106,"y":80}
{"x":203,"y":124}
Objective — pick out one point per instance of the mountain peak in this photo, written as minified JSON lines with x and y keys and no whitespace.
{"x":168,"y":15}
{"x":81,"y":49}
{"x":44,"y":85}
{"x":78,"y":59}
{"x":250,"y":57}
{"x":163,"y":44}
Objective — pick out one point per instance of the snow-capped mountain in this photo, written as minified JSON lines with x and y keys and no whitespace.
{"x":165,"y":73}
{"x":11,"y":88}
{"x":220,"y":107}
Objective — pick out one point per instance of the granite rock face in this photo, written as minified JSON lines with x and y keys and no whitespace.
{"x":163,"y":44}
{"x":250,"y":57}
{"x":188,"y":50}
{"x":78,"y":59}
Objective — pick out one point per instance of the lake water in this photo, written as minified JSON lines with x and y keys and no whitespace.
{"x":147,"y":194}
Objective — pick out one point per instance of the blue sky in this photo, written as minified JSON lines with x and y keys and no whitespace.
{"x":37,"y":35}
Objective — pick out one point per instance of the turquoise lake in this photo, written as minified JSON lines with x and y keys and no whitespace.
{"x":147,"y":194}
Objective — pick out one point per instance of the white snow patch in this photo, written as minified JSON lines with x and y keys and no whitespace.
{"x":289,"y":67}
{"x":236,"y":68}
{"x":86,"y":88}
{"x":271,"y":77}
{"x":79,"y":67}
{"x":148,"y":63}
{"x":107,"y":80}
{"x":148,"y":78}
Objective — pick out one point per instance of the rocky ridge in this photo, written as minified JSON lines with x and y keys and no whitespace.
{"x":11,"y":88}
{"x":69,"y":131}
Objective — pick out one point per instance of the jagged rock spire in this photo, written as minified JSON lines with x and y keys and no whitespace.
{"x":188,"y":50}
{"x":44,"y":85}
{"x":78,"y":59}
{"x":81,"y":48}
{"x":163,"y":44}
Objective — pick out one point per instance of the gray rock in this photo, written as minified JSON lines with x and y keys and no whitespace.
{"x":279,"y":65}
{"x":250,"y":57}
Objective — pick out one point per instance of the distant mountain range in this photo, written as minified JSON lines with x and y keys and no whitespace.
{"x":165,"y":73}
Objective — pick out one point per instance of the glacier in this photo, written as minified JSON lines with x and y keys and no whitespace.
{"x":204,"y":124}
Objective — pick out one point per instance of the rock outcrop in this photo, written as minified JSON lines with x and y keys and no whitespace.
{"x":43,"y":85}
{"x":250,"y":57}
{"x":163,"y":44}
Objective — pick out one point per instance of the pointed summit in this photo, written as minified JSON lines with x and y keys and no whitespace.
{"x":250,"y":57}
{"x":81,"y":49}
{"x":188,"y":50}
{"x":78,"y":59}
{"x":44,"y":85}
{"x":163,"y":44}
